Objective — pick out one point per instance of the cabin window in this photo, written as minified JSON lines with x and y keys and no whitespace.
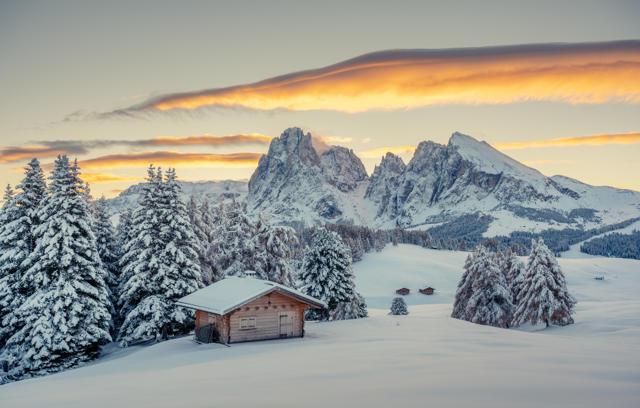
{"x":248,"y":323}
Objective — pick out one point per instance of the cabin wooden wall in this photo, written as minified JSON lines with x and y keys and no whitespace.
{"x":221,"y":322}
{"x":267,"y":311}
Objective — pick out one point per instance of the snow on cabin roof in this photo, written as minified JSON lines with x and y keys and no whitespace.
{"x":230,"y":293}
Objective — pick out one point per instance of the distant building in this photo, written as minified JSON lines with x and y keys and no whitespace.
{"x":427,"y":291}
{"x":246,"y":309}
{"x":403,"y":291}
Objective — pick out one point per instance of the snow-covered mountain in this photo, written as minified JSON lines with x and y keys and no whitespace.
{"x":298,"y":184}
{"x":293,"y":183}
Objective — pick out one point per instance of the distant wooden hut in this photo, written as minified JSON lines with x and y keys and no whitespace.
{"x":427,"y":291}
{"x":403,"y":291}
{"x":246,"y":309}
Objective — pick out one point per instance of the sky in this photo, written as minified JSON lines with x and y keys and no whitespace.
{"x":204,"y":86}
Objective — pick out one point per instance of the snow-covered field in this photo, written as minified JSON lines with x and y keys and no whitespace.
{"x":425,"y":358}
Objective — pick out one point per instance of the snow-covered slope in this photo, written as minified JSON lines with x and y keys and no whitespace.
{"x":423,"y":358}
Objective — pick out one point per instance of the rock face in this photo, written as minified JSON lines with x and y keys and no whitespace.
{"x":342,"y":168}
{"x":384,"y":184}
{"x":461,"y":177}
{"x":294,"y":185}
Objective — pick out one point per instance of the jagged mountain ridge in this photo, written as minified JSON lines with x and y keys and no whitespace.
{"x":297,"y":184}
{"x":292,"y":184}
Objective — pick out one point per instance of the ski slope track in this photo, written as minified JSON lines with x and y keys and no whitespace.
{"x":381,"y":361}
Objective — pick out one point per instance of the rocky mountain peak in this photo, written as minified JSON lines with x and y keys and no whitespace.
{"x":294,"y":144}
{"x":342,"y":168}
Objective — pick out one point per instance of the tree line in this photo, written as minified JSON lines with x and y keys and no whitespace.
{"x":70,"y":282}
{"x":497,"y":289}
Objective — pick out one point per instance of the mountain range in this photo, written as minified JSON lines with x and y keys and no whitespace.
{"x":298,"y":184}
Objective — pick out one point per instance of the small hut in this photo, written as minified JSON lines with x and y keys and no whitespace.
{"x":246,"y":309}
{"x":427,"y":291}
{"x":403,"y":291}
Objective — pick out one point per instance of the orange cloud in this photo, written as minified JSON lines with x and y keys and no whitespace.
{"x":404,"y":79}
{"x":377,"y":153}
{"x":12,"y":154}
{"x":171,"y":159}
{"x":93,"y":178}
{"x":595,"y":140}
{"x":208,"y":139}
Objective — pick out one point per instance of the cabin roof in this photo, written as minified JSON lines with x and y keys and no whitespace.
{"x":231,"y":293}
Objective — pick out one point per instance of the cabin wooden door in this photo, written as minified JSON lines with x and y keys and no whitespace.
{"x":286,"y":325}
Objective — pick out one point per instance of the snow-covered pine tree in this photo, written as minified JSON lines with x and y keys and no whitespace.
{"x":208,"y":224}
{"x":20,"y":237}
{"x":515,"y":276}
{"x":326,"y":272}
{"x":124,"y":228}
{"x":363,"y":312}
{"x":398,"y":307}
{"x":141,"y":251}
{"x":273,"y":252}
{"x":202,"y":238}
{"x":464,"y":290}
{"x":490,"y":301}
{"x":352,"y":309}
{"x":217,"y":246}
{"x":109,"y":252}
{"x":182,"y":271}
{"x":543,"y":295}
{"x":238,"y":245}
{"x":162,"y":264}
{"x":9,"y":240}
{"x":66,"y":319}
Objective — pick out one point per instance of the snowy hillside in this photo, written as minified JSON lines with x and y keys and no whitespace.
{"x":387,"y":360}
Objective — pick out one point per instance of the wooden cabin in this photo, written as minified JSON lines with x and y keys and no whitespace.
{"x":427,"y":291}
{"x":403,"y":291}
{"x":246,"y":309}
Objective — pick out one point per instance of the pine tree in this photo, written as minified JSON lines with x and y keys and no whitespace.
{"x":196,"y":218}
{"x":352,"y":309}
{"x":125,"y":228}
{"x":464,"y":290}
{"x":216,"y":255}
{"x":326,"y":273}
{"x":515,"y":276}
{"x":238,"y":245}
{"x":18,"y":241}
{"x":543,"y":296}
{"x":273,"y":252}
{"x":182,"y":271}
{"x":9,"y":242}
{"x":490,"y":302}
{"x":140,"y":253}
{"x":109,"y":252}
{"x":398,"y":307}
{"x":66,"y":319}
{"x":161,"y":263}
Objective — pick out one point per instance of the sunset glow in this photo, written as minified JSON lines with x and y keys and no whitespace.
{"x":404,"y":79}
{"x":169,"y":159}
{"x":595,"y":140}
